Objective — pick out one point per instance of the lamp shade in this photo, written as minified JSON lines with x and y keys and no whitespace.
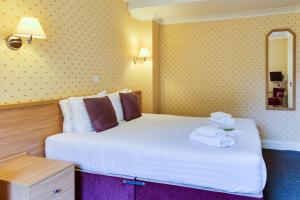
{"x":144,"y":53}
{"x":30,"y":26}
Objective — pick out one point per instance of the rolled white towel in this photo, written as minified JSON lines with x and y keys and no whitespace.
{"x":220,"y":115}
{"x":209,"y":131}
{"x":226,"y":122}
{"x":220,"y":142}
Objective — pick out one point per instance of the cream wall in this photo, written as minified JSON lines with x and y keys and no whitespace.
{"x":220,"y":66}
{"x":83,"y":38}
{"x":156,"y":67}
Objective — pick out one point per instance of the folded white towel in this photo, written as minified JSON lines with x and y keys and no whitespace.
{"x":220,"y":115}
{"x":234,"y":132}
{"x":209,"y":131}
{"x":220,"y":142}
{"x":226,"y":122}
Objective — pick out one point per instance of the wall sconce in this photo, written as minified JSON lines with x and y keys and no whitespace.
{"x":144,"y":54}
{"x":28,"y":27}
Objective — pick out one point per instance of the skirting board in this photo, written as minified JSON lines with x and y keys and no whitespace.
{"x":280,"y":145}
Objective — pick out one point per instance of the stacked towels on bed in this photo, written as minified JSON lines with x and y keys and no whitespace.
{"x":223,"y":120}
{"x":212,"y":136}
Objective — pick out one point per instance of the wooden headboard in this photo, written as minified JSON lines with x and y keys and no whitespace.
{"x":24,"y":127}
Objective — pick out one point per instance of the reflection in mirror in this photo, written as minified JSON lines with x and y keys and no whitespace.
{"x":281,"y":51}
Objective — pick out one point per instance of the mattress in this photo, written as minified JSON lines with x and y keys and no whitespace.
{"x":158,"y":147}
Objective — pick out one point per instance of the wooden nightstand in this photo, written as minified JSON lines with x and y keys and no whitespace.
{"x":33,"y":178}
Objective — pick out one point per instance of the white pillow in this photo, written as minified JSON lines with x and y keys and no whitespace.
{"x":116,"y":102}
{"x":66,"y":112}
{"x":81,"y":122}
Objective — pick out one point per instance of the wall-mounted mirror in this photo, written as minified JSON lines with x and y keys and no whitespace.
{"x":281,"y":70}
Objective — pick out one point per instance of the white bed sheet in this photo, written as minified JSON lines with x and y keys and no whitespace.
{"x":157,"y":147}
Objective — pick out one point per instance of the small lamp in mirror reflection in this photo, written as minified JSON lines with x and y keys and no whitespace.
{"x":144,"y":55}
{"x":28,"y":27}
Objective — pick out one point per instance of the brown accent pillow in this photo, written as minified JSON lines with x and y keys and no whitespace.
{"x":101,"y":112}
{"x":130,"y":105}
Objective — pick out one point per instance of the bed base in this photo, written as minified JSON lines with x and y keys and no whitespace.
{"x":99,"y":187}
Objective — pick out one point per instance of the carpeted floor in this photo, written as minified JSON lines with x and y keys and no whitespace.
{"x":283,"y":175}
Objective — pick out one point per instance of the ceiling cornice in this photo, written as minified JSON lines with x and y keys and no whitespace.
{"x":180,"y":20}
{"x":136,"y":10}
{"x":146,"y":17}
{"x":266,"y":12}
{"x":136,"y":4}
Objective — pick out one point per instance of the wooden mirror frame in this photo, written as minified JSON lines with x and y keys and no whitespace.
{"x":294,"y":69}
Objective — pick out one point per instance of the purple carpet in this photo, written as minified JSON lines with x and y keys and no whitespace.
{"x":99,"y":187}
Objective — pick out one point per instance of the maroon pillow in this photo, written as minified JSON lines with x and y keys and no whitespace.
{"x":101,"y":112}
{"x":130,"y":105}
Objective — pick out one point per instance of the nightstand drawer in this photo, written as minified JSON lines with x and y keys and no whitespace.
{"x":58,"y":187}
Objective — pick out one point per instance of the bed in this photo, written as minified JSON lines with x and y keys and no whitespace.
{"x":152,"y":157}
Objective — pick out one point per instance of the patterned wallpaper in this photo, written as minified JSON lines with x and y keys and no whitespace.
{"x":220,"y":66}
{"x":205,"y":67}
{"x":83,"y":38}
{"x":156,"y":67}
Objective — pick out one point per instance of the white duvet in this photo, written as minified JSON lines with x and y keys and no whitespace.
{"x":158,"y":147}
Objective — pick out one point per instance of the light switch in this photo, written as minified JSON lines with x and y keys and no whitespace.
{"x":96,"y":79}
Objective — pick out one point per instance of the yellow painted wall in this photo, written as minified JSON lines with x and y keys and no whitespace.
{"x":221,"y":66}
{"x":83,"y":38}
{"x":156,"y":67}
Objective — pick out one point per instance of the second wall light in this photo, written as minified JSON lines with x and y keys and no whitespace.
{"x":143,"y":56}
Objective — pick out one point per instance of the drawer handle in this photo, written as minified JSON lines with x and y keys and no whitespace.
{"x":129,"y":182}
{"x":56,"y":191}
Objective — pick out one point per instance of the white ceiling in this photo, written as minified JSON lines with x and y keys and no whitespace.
{"x":182,"y":11}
